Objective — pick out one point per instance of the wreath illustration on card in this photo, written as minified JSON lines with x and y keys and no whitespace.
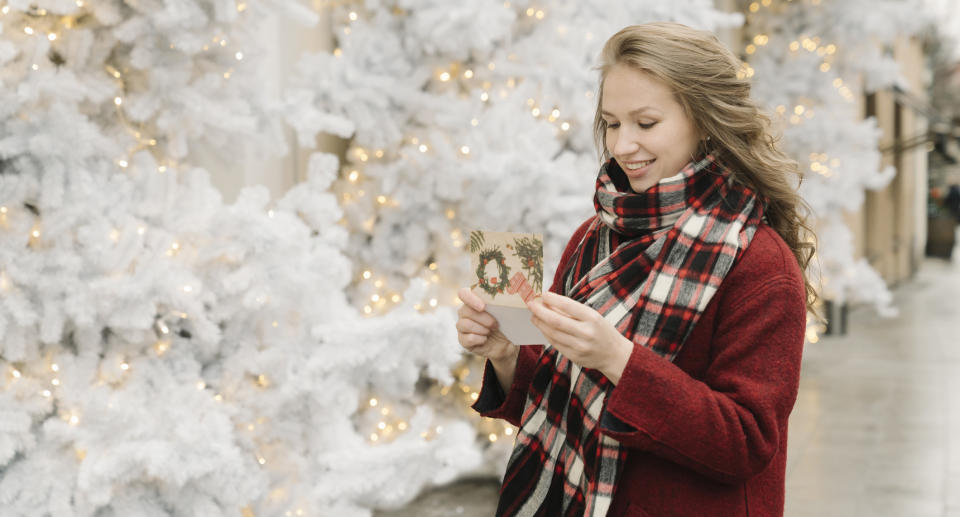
{"x":497,"y":256}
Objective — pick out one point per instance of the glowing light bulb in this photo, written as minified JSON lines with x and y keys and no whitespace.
{"x":28,"y":30}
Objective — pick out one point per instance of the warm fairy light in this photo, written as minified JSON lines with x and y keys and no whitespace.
{"x":28,"y":30}
{"x":465,"y":150}
{"x":508,"y":431}
{"x":337,"y":52}
{"x":261,"y":460}
{"x":201,"y":385}
{"x":491,"y":66}
{"x":353,"y":16}
{"x":124,"y":366}
{"x":115,"y":235}
{"x":374,"y":402}
{"x":3,"y":209}
{"x":262,"y":381}
{"x":433,"y":266}
{"x":402,"y":426}
{"x":423,"y":148}
{"x":451,"y":213}
{"x":474,"y":122}
{"x":794,"y":46}
{"x":123,"y":163}
{"x":825,"y":67}
{"x":535,"y":112}
{"x":241,"y":7}
{"x":52,"y":36}
{"x":493,"y":437}
{"x":275,"y":324}
{"x":161,"y":346}
{"x":118,"y":101}
{"x":226,"y":75}
{"x":55,"y":382}
{"x":367,"y":309}
{"x":754,"y":7}
{"x":751,"y":48}
{"x":46,"y":393}
{"x":218,"y":397}
{"x":366,"y":275}
{"x":798,"y":109}
{"x":16,"y":373}
{"x":81,"y":454}
{"x":531,"y":11}
{"x":161,"y":169}
{"x":239,"y":56}
{"x":6,"y":9}
{"x":433,"y":302}
{"x":445,"y":76}
{"x":395,"y":298}
{"x":565,"y":126}
{"x":35,"y":233}
{"x":55,"y":367}
{"x":353,"y":176}
{"x":382,"y":425}
{"x":374,"y":437}
{"x":474,"y":395}
{"x":468,"y":73}
{"x":187,"y":288}
{"x":484,"y":96}
{"x":540,"y":15}
{"x":375,"y":298}
{"x":270,"y":213}
{"x":381,"y":199}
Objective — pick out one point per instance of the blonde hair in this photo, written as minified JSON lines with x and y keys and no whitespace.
{"x":706,"y":81}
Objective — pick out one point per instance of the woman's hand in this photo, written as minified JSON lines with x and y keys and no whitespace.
{"x":478,"y":331}
{"x":581,"y":334}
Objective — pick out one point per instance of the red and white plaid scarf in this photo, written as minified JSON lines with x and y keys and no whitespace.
{"x":649,"y":262}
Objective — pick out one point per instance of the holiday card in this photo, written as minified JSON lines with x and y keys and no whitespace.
{"x":508,"y":272}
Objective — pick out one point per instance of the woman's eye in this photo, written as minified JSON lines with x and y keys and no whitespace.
{"x":646,"y":126}
{"x":613,"y":125}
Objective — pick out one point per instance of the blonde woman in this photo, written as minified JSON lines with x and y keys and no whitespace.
{"x":676,"y":318}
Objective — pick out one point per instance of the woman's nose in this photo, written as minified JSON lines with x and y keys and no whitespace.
{"x":625,"y":143}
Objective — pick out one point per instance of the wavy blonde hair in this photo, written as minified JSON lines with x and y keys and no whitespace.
{"x":706,"y":81}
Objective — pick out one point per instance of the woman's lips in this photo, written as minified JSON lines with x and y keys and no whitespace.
{"x":640,"y":171}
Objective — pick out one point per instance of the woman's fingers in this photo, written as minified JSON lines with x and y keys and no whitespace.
{"x":482,"y":317}
{"x":471,"y":300}
{"x":555,"y":320}
{"x":469,"y":326}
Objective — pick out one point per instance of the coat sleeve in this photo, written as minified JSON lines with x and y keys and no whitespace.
{"x":728,"y":424}
{"x":492,"y":402}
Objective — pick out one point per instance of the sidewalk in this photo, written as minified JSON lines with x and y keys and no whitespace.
{"x":876,"y":428}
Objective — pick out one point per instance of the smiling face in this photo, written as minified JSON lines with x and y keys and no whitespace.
{"x":647,"y":131}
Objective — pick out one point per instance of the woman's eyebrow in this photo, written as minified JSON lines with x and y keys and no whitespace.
{"x":633,"y":112}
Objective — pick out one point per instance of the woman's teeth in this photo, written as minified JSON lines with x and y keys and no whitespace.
{"x":640,"y":165}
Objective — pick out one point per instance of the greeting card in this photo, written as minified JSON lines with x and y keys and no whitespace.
{"x":508,"y":272}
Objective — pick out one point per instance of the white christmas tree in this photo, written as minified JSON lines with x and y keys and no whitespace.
{"x":162,"y":352}
{"x":808,"y":61}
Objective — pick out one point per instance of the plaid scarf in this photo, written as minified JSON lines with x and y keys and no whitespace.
{"x":650,"y":263}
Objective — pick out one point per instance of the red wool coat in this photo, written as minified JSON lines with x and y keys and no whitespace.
{"x":707,"y":433}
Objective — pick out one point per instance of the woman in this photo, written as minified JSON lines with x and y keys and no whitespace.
{"x":676,"y":318}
